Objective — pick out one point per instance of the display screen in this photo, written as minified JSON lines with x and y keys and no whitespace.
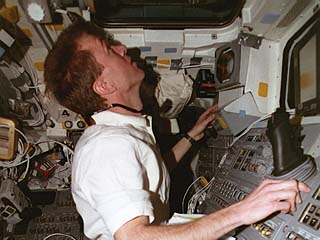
{"x":303,"y":54}
{"x":225,"y":65}
{"x":308,"y":71}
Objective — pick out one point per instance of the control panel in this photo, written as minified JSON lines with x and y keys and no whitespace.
{"x":210,"y":154}
{"x":241,"y":168}
{"x":59,"y":217}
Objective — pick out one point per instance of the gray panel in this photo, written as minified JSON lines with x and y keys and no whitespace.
{"x":249,"y":162}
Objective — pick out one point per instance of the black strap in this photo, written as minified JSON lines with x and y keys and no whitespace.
{"x":189,"y":138}
{"x":125,"y":107}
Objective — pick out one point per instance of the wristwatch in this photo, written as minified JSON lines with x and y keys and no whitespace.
{"x":189,"y":138}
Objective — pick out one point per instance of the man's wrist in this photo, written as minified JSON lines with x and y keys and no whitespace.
{"x":190,"y":139}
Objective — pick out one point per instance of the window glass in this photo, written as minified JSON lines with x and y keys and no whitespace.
{"x":197,"y":13}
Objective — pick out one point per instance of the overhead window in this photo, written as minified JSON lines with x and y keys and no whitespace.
{"x":165,"y":13}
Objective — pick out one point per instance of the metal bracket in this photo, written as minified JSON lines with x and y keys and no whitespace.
{"x":250,"y":40}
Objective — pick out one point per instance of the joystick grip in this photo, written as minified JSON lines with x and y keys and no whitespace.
{"x":287,"y":153}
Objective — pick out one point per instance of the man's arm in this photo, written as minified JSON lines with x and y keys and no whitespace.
{"x":270,"y":197}
{"x":196,"y":133}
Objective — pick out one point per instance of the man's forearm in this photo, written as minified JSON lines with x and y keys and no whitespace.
{"x":269,"y":197}
{"x":196,"y":133}
{"x":180,"y":149}
{"x":173,"y":157}
{"x":209,"y":227}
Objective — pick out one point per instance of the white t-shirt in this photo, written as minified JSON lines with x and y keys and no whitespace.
{"x":118,"y":174}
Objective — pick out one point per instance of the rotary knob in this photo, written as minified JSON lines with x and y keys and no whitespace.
{"x":260,"y":169}
{"x":267,"y":152}
{"x":36,"y":12}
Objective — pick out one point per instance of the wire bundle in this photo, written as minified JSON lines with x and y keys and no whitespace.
{"x":26,"y":151}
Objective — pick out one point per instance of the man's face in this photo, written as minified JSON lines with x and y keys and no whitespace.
{"x":119,"y":69}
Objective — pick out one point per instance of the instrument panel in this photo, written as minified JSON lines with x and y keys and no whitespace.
{"x":241,"y":169}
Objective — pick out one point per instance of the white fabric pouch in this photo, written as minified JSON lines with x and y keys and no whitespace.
{"x":177,"y":90}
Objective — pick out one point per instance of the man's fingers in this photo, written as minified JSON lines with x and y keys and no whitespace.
{"x":303,"y":187}
{"x":283,"y":207}
{"x":275,"y":196}
{"x":206,"y":118}
{"x":213,"y":108}
{"x":291,"y":197}
{"x":277,"y":185}
{"x":283,"y":191}
{"x":210,"y":111}
{"x":298,"y":198}
{"x":266,"y":184}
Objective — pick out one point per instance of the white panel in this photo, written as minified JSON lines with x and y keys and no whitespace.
{"x":6,"y":38}
{"x":265,"y":67}
{"x":251,"y":9}
{"x":129,"y":37}
{"x":164,"y":36}
{"x":229,"y":95}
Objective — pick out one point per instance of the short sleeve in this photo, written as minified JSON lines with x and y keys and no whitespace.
{"x":114,"y":181}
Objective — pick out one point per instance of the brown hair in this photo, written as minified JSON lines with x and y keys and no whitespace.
{"x":70,"y":72}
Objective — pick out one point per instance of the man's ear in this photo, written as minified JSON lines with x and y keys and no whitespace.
{"x":103,"y":87}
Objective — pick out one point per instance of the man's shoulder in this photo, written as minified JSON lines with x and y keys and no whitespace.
{"x":107,"y":130}
{"x":107,"y":133}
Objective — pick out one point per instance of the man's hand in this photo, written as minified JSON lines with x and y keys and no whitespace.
{"x":197,"y":132}
{"x":271,"y":196}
